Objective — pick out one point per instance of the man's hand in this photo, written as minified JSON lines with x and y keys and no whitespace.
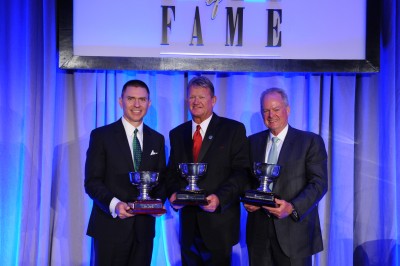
{"x":213,"y":203}
{"x":175,"y":206}
{"x":282,"y":210}
{"x":251,"y":208}
{"x":121,"y":209}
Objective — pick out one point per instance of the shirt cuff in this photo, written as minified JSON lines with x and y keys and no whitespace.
{"x":295,"y":215}
{"x":113,"y":204}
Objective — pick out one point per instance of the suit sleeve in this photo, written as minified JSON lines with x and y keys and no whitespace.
{"x":316,"y":178}
{"x":159,"y":191}
{"x":95,"y":172}
{"x":172,"y":183}
{"x":230,"y":191}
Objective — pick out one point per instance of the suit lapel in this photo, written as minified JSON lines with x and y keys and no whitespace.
{"x":287,"y":148}
{"x":261,"y":147}
{"x":146,"y":150}
{"x":187,"y":141}
{"x":209,"y":137}
{"x":287,"y":145}
{"x":122,"y":141}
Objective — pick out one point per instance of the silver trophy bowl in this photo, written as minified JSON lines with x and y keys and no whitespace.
{"x":192,"y":173}
{"x":145,"y":181}
{"x":266,"y":174}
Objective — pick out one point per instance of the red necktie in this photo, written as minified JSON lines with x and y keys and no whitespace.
{"x":197,"y":140}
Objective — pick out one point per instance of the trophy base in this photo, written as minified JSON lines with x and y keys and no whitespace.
{"x":154,"y":206}
{"x":190,"y":198}
{"x":259,"y":198}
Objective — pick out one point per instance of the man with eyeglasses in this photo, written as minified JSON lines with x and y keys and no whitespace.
{"x":207,"y":233}
{"x":120,"y":237}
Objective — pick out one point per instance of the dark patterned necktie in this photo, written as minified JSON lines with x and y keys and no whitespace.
{"x":197,"y":140}
{"x":137,"y":151}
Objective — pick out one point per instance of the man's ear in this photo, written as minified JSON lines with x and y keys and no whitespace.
{"x":214,"y":100}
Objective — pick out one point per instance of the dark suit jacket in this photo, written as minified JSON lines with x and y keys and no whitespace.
{"x":108,"y":164}
{"x":225,"y":149}
{"x":302,"y":181}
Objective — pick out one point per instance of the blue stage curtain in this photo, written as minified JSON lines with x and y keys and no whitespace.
{"x":46,"y":115}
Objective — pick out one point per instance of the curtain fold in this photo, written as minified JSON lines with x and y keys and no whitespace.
{"x":46,"y":115}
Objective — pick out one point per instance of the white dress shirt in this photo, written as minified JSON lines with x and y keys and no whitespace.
{"x":281,"y":136}
{"x":129,"y":130}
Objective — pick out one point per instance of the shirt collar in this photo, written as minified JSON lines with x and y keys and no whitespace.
{"x":282,"y":135}
{"x":129,"y":129}
{"x":203,"y":125}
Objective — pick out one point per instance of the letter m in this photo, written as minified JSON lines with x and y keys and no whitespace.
{"x":234,"y":25}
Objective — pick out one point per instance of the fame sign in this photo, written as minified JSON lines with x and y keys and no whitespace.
{"x":182,"y":30}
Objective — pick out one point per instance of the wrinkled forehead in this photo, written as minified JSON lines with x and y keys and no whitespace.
{"x":199,"y":90}
{"x":274,"y":99}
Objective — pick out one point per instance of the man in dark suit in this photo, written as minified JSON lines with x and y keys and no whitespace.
{"x":207,"y":233}
{"x":290,"y":233}
{"x":122,"y":238}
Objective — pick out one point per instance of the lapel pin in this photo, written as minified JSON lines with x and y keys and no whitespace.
{"x":210,"y":137}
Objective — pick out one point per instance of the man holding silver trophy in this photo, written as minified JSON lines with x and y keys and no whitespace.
{"x":287,"y":232}
{"x":207,"y":173}
{"x":125,"y":165}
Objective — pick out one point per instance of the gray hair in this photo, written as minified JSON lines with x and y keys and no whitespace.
{"x":203,"y":82}
{"x":274,"y":90}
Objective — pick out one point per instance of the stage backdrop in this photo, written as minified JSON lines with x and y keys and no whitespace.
{"x":46,"y":115}
{"x":220,"y":35}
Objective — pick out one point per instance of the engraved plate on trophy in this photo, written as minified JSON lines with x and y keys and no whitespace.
{"x":192,"y":194}
{"x":263,"y":195}
{"x":144,"y":204}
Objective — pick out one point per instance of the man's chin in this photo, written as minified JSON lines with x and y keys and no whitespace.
{"x":135,"y":119}
{"x":196,"y":114}
{"x":273,"y":128}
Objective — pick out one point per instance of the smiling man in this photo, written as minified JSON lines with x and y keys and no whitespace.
{"x":119,"y":237}
{"x":289,"y":234}
{"x":207,"y":233}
